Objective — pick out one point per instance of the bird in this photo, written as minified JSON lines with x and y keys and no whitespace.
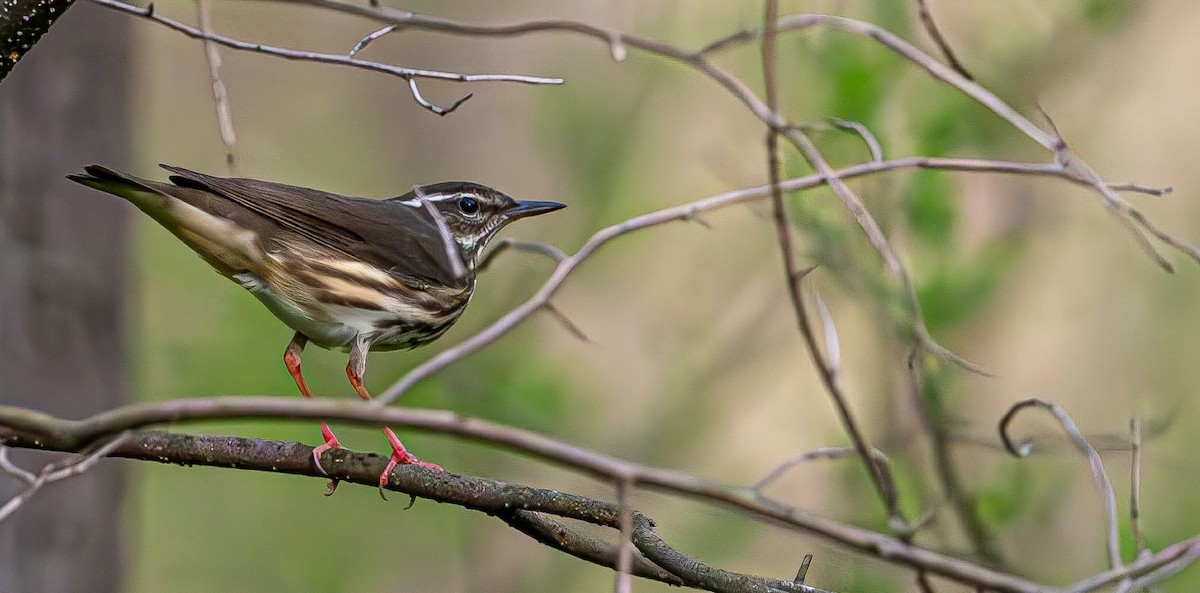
{"x":345,"y":273}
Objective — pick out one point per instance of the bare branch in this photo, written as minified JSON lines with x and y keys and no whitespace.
{"x":803,"y":571}
{"x":818,"y":454}
{"x":453,"y":253}
{"x":560,"y":537}
{"x":1171,"y":559}
{"x":685,"y":212}
{"x":1141,"y":189}
{"x":961,"y":502}
{"x":416,"y":93}
{"x":1135,"y":486}
{"x":8,"y":467}
{"x":408,"y":74}
{"x":28,"y":428}
{"x":625,"y":554}
{"x":369,"y":39}
{"x":566,"y":322}
{"x":863,"y":132}
{"x":1025,"y":448}
{"x":507,"y":243}
{"x":213,"y":58}
{"x":53,"y":472}
{"x":936,"y":34}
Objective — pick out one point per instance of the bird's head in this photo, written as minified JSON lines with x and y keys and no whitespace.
{"x":473,"y":213}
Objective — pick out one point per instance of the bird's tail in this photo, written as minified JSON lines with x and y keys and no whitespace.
{"x":225,"y":245}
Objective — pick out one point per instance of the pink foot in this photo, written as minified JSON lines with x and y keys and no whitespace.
{"x":331,"y":442}
{"x":400,"y":456}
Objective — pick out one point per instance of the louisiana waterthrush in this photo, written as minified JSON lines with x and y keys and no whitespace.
{"x":351,"y":274}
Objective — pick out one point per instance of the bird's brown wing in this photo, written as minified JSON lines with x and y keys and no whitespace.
{"x":397,"y":238}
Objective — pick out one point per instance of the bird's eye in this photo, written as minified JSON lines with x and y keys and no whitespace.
{"x":468,"y":205}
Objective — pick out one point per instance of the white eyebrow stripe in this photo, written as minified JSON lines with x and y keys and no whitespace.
{"x":416,"y":202}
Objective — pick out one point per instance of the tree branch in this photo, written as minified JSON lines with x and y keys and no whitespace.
{"x":20,"y":427}
{"x":408,"y":74}
{"x":523,"y":507}
{"x":22,"y":24}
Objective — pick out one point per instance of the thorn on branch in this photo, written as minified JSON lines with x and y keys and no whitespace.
{"x":803,"y":572}
{"x":691,"y":215}
{"x":567,"y":323}
{"x":936,"y":34}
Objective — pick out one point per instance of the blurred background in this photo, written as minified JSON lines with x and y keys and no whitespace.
{"x":693,"y":361}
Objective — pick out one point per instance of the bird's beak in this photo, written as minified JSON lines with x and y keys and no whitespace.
{"x":531,"y":208}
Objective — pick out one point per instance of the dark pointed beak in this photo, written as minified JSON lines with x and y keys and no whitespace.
{"x":531,"y":208}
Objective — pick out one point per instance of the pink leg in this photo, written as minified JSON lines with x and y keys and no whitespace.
{"x":291,"y":359}
{"x":355,"y":370}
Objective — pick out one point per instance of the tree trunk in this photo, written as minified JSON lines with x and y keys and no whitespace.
{"x":62,"y":278}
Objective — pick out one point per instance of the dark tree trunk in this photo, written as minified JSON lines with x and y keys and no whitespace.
{"x":22,"y":23}
{"x":62,"y":277}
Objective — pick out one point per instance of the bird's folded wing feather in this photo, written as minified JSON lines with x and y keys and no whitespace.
{"x":399,"y":239}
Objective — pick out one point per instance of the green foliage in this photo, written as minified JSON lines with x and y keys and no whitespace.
{"x":1007,"y":498}
{"x":858,"y":77}
{"x":932,"y":209}
{"x":1106,"y":15}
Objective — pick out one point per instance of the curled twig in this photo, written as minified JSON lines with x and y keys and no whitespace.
{"x":423,"y":102}
{"x":1025,"y":448}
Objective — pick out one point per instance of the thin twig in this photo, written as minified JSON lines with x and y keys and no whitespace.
{"x":408,"y":74}
{"x":453,"y":253}
{"x":34,"y":429}
{"x":803,"y":571}
{"x":624,"y":584}
{"x":962,"y":503}
{"x":55,"y":472}
{"x":369,"y":39}
{"x":699,"y":61}
{"x":1164,"y":572}
{"x":1135,"y":486}
{"x":688,"y":211}
{"x":423,"y":102}
{"x":220,"y":97}
{"x":1141,"y":189}
{"x":559,"y":536}
{"x":566,"y":322}
{"x":791,"y":267}
{"x":863,"y":132}
{"x":14,"y":470}
{"x":508,"y":243}
{"x":1173,"y":558}
{"x":818,"y":454}
{"x":1025,"y":448}
{"x":936,"y":34}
